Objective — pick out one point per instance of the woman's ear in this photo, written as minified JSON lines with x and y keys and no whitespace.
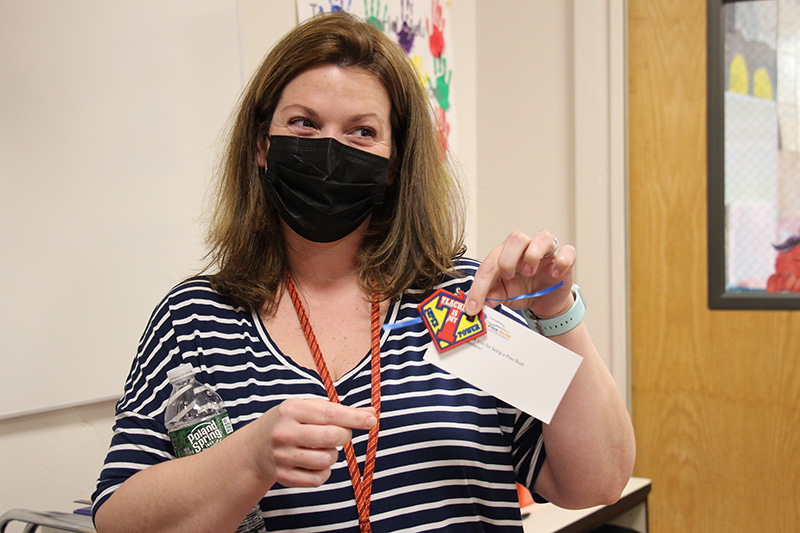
{"x":261,"y":154}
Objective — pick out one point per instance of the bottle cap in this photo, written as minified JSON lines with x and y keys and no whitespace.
{"x":180,"y":372}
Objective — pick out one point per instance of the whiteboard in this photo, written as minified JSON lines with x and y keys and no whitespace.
{"x":111,"y":119}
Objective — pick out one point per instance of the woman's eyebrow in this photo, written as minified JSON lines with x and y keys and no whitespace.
{"x":307,"y":110}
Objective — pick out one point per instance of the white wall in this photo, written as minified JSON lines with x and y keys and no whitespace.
{"x":111,"y":114}
{"x":525,"y":137}
{"x":516,"y":149}
{"x":551,"y":144}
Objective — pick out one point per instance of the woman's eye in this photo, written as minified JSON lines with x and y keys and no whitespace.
{"x":365,"y":132}
{"x":302,"y":122}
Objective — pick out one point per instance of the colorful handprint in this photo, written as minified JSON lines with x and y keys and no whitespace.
{"x":338,"y":5}
{"x":405,"y":37}
{"x":416,"y":62}
{"x":372,"y":8}
{"x":443,"y":76}
{"x":435,"y":27}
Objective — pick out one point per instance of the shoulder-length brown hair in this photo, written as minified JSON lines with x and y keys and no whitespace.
{"x":413,"y":236}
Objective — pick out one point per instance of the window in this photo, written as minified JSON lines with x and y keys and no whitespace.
{"x":754,"y":154}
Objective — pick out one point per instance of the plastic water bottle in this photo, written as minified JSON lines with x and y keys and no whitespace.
{"x":196,"y":419}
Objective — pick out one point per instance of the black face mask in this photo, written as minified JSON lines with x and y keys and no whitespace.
{"x":322,"y":188}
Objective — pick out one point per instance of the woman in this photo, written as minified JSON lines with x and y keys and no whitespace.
{"x":337,"y":214}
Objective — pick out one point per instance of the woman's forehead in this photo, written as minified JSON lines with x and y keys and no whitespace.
{"x":325,"y":85}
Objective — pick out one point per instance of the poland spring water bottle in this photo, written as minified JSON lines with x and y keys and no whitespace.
{"x":196,"y":419}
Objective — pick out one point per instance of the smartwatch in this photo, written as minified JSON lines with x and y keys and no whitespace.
{"x":550,"y":327}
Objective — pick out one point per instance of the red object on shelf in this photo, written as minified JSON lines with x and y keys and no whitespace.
{"x":787,"y":270}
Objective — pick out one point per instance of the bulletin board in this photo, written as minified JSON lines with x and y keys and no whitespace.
{"x":111,"y":115}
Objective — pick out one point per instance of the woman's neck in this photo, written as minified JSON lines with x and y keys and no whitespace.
{"x":322,"y":265}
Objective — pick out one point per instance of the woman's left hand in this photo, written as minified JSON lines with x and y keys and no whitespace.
{"x":521,"y":265}
{"x":590,"y":443}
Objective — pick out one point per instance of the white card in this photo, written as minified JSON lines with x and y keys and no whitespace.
{"x":513,"y":363}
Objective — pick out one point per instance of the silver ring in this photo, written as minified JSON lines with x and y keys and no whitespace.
{"x":555,"y":245}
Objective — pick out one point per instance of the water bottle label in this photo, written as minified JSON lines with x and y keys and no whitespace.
{"x":198,"y":437}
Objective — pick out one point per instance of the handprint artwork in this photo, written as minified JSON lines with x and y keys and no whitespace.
{"x":407,"y":31}
{"x":435,"y":28}
{"x":373,"y":13}
{"x":420,"y":28}
{"x":442,"y":88}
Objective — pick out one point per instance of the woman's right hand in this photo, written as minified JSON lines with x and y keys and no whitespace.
{"x":296,"y":443}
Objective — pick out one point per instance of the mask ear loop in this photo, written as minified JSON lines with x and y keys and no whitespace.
{"x":394,"y":167}
{"x":263,"y":142}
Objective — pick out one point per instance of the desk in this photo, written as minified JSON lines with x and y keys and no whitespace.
{"x":630,"y":511}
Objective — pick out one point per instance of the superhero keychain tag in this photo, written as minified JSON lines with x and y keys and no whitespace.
{"x":443,"y":314}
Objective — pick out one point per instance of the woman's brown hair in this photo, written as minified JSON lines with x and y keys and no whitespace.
{"x":413,"y":236}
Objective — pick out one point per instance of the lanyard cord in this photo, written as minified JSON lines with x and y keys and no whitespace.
{"x":362,"y":486}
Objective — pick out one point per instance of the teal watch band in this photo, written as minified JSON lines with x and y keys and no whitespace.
{"x":550,"y":327}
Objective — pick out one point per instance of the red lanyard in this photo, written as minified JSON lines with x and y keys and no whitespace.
{"x":362,"y":486}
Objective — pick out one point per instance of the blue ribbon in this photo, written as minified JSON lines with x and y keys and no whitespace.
{"x":530,"y":294}
{"x":413,"y":321}
{"x":402,"y":323}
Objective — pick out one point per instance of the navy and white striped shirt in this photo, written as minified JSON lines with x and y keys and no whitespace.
{"x":448,"y":454}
